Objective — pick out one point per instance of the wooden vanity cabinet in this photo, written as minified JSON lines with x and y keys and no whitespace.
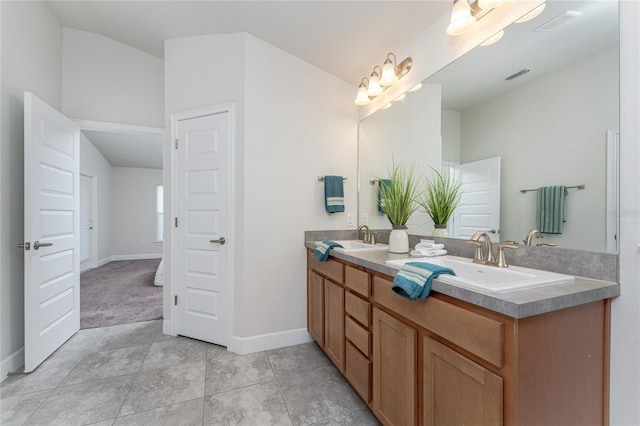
{"x":442,"y":361}
{"x":325,"y":307}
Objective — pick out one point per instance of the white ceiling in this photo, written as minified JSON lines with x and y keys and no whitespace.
{"x":128,"y":149}
{"x":344,"y":38}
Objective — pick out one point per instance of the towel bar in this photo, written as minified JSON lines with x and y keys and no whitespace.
{"x":568,"y":187}
{"x":321,"y":178}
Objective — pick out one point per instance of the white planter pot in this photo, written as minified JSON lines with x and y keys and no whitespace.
{"x":399,"y":240}
{"x":440,"y":231}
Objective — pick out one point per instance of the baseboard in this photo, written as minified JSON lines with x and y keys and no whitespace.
{"x":263,"y":342}
{"x":103,"y":261}
{"x":136,"y":256}
{"x":167,"y":328}
{"x":14,"y":362}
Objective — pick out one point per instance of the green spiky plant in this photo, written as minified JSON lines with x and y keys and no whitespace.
{"x":441,"y":197}
{"x":400,"y":194}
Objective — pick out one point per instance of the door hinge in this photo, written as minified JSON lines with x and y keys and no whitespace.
{"x":176,"y":143}
{"x":175,"y":300}
{"x":176,"y":222}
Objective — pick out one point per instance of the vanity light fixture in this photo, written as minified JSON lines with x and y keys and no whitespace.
{"x":461,"y":18}
{"x":374,"y":88}
{"x":362,"y":98}
{"x":466,"y":13}
{"x":388,"y":74}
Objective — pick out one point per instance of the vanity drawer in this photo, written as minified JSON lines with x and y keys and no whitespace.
{"x":358,"y":308}
{"x":331,"y":269}
{"x":358,"y":335}
{"x":357,"y":280}
{"x":469,"y":330}
{"x":357,"y":370}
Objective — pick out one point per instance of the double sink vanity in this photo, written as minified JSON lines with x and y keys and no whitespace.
{"x":489,"y":346}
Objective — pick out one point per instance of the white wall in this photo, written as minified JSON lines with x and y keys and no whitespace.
{"x":625,"y":315}
{"x":93,"y":163}
{"x":408,"y":133}
{"x":451,"y":136}
{"x":133,"y":213}
{"x":194,"y":79}
{"x":577,"y":104}
{"x":31,"y":61}
{"x":293,"y":123}
{"x":104,"y":80}
{"x":300,"y":123}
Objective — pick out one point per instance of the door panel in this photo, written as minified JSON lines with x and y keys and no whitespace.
{"x":52,"y":204}
{"x":202,"y":205}
{"x":479,"y":208}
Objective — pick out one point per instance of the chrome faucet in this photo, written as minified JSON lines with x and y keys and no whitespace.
{"x":532,"y":233}
{"x":367,"y":237}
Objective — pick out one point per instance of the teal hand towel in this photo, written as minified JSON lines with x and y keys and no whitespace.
{"x":321,"y":252}
{"x":334,"y":194}
{"x":415,"y":278}
{"x":551,"y":209}
{"x":383,"y":184}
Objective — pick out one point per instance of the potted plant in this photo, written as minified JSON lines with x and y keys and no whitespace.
{"x":440,"y":198}
{"x":398,"y":200}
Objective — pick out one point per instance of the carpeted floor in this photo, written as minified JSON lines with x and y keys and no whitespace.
{"x":120,"y":292}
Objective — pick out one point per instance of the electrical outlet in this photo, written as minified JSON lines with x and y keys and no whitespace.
{"x":365,"y":219}
{"x":351,"y":220}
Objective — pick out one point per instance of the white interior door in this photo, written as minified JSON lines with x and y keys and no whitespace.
{"x":51,"y":230}
{"x":479,"y":208}
{"x":86,"y":222}
{"x":203,"y":198}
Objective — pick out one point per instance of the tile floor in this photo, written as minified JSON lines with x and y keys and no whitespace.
{"x":134,"y":375}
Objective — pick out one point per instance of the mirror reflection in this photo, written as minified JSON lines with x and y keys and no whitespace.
{"x":554,"y":124}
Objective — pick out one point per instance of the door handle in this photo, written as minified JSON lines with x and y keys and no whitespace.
{"x":38,"y":244}
{"x":220,"y":241}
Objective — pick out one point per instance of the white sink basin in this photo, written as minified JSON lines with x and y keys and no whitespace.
{"x":355,"y":246}
{"x":489,"y":278}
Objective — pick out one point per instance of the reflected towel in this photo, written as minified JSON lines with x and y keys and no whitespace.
{"x":551,"y":209}
{"x":321,"y":252}
{"x":383,"y":184}
{"x":414,"y":279}
{"x":334,"y":193}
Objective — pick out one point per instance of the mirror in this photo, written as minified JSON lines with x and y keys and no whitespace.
{"x":556,"y":124}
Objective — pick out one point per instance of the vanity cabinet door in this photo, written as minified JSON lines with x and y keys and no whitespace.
{"x":456,"y":390}
{"x":315,"y":307}
{"x":394,"y":370}
{"x":334,"y":323}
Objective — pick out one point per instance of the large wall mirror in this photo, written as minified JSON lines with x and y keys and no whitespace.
{"x":554,"y":124}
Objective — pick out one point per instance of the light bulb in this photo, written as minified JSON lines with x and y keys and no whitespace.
{"x":361,"y":97}
{"x":374,"y":88}
{"x":388,"y":73}
{"x":461,"y":19}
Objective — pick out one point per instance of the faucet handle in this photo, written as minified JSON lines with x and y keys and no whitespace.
{"x":478,"y":256}
{"x":546,"y":244}
{"x":502,"y":261}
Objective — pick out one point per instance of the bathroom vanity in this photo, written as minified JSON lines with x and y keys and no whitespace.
{"x":529,"y":357}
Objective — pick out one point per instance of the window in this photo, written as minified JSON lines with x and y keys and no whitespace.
{"x":159,"y":214}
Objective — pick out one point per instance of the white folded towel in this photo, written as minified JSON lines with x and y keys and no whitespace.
{"x":428,"y":253}
{"x":428,"y":245}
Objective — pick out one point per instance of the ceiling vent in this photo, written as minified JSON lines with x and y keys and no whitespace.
{"x":554,"y":23}
{"x":518,"y":74}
